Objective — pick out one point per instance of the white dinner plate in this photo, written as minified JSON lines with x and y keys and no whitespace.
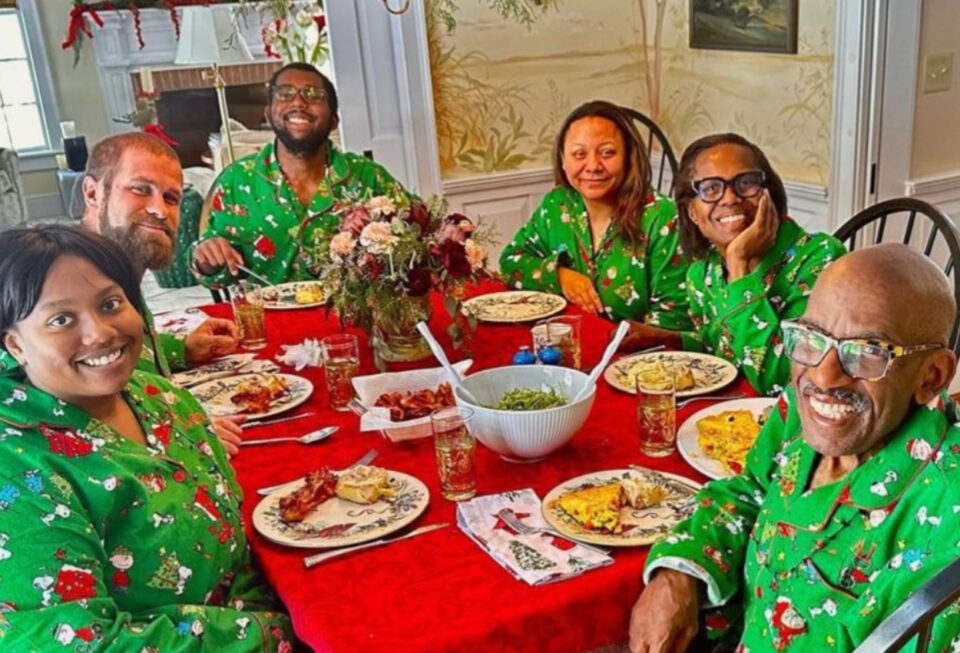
{"x":288,"y":292}
{"x":514,"y":306}
{"x":710,"y":373}
{"x":640,"y":526}
{"x":215,"y":395}
{"x":338,"y":522}
{"x":687,"y":434}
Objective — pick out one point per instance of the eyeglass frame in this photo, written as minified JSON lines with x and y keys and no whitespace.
{"x":729,"y":183}
{"x":299,"y":90}
{"x":892,"y":350}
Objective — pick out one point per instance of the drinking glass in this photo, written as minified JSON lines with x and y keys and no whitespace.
{"x":247,"y":299}
{"x":456,"y":452}
{"x":562,"y":333}
{"x":657,"y":415}
{"x":341,"y":362}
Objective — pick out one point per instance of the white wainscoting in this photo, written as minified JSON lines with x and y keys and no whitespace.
{"x":506,"y":201}
{"x":942,"y":189}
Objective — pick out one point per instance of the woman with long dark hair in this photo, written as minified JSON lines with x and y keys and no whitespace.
{"x":603,"y":238}
{"x":120,"y":519}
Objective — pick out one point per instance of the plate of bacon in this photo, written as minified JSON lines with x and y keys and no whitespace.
{"x":254,"y":395}
{"x":328,"y":509}
{"x":400,"y":403}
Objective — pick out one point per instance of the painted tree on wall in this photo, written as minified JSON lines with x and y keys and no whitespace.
{"x":652,"y":61}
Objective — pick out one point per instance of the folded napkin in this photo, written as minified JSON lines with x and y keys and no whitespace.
{"x":299,"y":356}
{"x":535,"y":559}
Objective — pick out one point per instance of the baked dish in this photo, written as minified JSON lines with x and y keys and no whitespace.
{"x":642,"y":494}
{"x":728,"y":436}
{"x":411,"y":405}
{"x":595,"y":508}
{"x":656,"y":375}
{"x":319,"y":486}
{"x":308,"y":293}
{"x":364,"y":484}
{"x":255,"y":395}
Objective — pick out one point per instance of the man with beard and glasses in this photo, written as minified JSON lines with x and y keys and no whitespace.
{"x":849,"y":501}
{"x":266,"y":206}
{"x":132,"y":192}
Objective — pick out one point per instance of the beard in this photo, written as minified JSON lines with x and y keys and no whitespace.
{"x":146,"y":251}
{"x":307,"y":145}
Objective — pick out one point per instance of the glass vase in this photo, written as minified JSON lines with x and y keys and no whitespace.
{"x":395,"y":335}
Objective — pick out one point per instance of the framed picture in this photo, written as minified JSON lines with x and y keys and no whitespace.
{"x":749,"y":25}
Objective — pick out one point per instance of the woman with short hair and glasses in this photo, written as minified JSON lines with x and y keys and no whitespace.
{"x":752,"y":265}
{"x":603,"y":238}
{"x":120,"y":517}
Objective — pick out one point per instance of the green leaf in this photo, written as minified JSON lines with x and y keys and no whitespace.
{"x":452,"y":305}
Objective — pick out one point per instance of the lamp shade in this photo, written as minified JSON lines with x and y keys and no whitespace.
{"x":207,"y":36}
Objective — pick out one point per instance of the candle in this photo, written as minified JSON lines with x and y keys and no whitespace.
{"x":146,"y":80}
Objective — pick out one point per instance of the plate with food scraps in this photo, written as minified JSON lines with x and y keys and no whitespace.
{"x":715,"y":440}
{"x":293,"y":295}
{"x":329,"y":509}
{"x":219,"y":368}
{"x":255,"y":395}
{"x":619,"y":507}
{"x":514,"y":306}
{"x":694,"y":373}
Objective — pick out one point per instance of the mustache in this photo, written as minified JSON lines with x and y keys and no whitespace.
{"x":857,"y":400}
{"x":151,"y":222}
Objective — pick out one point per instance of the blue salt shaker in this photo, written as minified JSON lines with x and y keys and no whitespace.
{"x":524,"y":357}
{"x":550,"y":356}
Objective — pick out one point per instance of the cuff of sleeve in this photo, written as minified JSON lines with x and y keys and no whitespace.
{"x":741,"y":292}
{"x":175,"y":351}
{"x":215,"y":280}
{"x":690,"y":568}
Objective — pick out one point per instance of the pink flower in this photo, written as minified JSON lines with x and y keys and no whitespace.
{"x":378,"y":238}
{"x":354,"y":220}
{"x":456,"y":227}
{"x":342,"y":245}
{"x":475,"y":254}
{"x":381,"y":205}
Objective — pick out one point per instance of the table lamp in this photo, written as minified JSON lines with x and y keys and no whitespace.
{"x":208,"y":37}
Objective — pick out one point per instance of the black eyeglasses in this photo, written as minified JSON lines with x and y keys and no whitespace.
{"x":746,"y":184}
{"x":311,"y":94}
{"x":860,"y":358}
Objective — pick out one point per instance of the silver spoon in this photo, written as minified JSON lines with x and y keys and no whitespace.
{"x":260,"y":278}
{"x":309,"y":438}
{"x":602,"y":365}
{"x":442,"y":357}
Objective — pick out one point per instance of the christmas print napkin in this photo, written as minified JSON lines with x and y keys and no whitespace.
{"x":535,"y":559}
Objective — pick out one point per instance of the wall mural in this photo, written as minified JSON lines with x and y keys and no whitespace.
{"x":501,"y":88}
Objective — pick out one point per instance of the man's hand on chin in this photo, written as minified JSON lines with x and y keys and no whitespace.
{"x":664,"y":619}
{"x":215,"y":337}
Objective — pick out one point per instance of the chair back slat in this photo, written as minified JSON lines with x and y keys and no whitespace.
{"x":883,"y":222}
{"x":666,"y":160}
{"x":924,"y":637}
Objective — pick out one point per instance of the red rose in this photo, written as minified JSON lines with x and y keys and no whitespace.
{"x":419,"y":215}
{"x":265,"y":246}
{"x":354,"y":220}
{"x":418,"y":282}
{"x":455,"y":258}
{"x":321,"y":22}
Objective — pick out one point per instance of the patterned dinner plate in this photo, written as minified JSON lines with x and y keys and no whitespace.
{"x":287,"y":301}
{"x":687,"y":435}
{"x":710,"y":373}
{"x":514,"y":306}
{"x":215,"y":395}
{"x":338,"y":522}
{"x":641,"y":526}
{"x":226,"y":366}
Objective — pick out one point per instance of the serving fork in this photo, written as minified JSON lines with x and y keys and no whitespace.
{"x":510,"y":519}
{"x":366,"y":458}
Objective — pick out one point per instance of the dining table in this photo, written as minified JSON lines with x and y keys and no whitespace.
{"x":441,"y":592}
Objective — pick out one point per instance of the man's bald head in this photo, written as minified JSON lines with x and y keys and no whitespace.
{"x":898,"y":281}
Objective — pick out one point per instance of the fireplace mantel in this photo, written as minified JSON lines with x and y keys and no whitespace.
{"x":119,"y":56}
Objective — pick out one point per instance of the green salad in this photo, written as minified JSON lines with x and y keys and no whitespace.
{"x":530,"y":399}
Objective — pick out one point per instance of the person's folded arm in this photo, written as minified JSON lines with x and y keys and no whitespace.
{"x":667,"y":268}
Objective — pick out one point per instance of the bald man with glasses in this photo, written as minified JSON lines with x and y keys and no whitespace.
{"x":849,"y":500}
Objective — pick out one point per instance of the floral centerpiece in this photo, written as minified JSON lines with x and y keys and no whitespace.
{"x":379,"y":267}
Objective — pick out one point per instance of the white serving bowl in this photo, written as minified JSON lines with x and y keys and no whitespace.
{"x":526,"y":436}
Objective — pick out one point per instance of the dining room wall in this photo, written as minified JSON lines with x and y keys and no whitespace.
{"x":501,"y":89}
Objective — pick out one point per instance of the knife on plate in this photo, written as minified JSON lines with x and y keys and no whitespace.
{"x":316,"y":559}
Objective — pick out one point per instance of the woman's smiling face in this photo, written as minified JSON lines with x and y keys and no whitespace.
{"x":594,"y":155}
{"x":82,"y":340}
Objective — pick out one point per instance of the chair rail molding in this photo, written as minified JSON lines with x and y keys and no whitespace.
{"x":942,"y":190}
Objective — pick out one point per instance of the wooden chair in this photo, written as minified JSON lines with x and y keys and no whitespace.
{"x":915,"y":616}
{"x":665,"y":158}
{"x":915,"y":223}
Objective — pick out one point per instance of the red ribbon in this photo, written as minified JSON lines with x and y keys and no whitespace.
{"x":157,"y":130}
{"x":79,"y":24}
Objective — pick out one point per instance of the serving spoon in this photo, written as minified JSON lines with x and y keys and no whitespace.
{"x":309,"y":438}
{"x":602,"y":365}
{"x":442,"y":357}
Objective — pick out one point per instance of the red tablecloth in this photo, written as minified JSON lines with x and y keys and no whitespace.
{"x":441,"y":592}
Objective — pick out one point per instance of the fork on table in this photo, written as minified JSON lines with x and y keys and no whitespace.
{"x":684,"y":402}
{"x":366,"y":458}
{"x":510,"y":519}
